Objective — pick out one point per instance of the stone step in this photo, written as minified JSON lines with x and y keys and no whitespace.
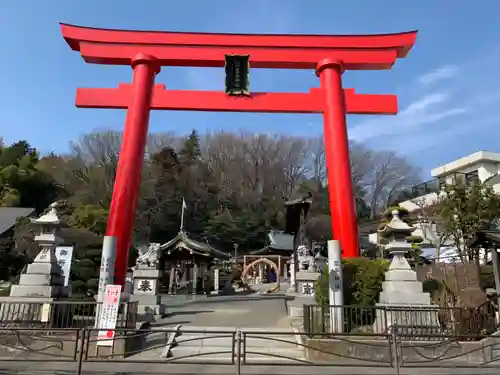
{"x":223,"y":353}
{"x":220,"y":339}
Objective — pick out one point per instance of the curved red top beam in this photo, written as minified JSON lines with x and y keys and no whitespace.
{"x":75,"y":35}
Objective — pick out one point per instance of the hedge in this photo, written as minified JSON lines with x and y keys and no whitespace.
{"x":362,"y":279}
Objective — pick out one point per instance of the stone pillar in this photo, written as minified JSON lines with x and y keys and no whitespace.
{"x":171,"y":280}
{"x":335,"y":287}
{"x":293,"y":279}
{"x":216,"y":279}
{"x":195,"y":278}
{"x":146,"y":282}
{"x":261,"y":273}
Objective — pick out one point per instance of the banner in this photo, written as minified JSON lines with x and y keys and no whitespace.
{"x":108,"y":315}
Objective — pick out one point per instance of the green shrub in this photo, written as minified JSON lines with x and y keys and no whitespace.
{"x":362,"y":282}
{"x":486,"y":277}
{"x":403,"y":212}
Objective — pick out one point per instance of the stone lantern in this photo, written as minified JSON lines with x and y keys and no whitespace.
{"x":44,"y":277}
{"x":402,"y":301}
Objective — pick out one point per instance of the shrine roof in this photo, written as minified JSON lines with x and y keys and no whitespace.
{"x":271,"y":250}
{"x":401,"y":42}
{"x":183,"y":242}
{"x":485,"y":238}
{"x":10,"y":215}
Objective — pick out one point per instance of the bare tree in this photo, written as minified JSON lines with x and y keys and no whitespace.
{"x":100,"y":148}
{"x":158,"y":141}
{"x":317,"y":159}
{"x":361,"y":164}
{"x":388,"y":175}
{"x":429,"y":223}
{"x":256,"y":164}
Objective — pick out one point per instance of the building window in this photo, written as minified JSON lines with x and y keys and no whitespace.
{"x":442,"y":183}
{"x":472,"y":178}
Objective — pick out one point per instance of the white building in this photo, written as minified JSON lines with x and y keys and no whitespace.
{"x":481,"y":166}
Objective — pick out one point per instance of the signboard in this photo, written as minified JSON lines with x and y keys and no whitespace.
{"x":64,"y":256}
{"x":45,"y":314}
{"x":108,"y":315}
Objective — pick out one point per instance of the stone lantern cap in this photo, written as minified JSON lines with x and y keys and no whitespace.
{"x":395,"y":227}
{"x":51,"y":218}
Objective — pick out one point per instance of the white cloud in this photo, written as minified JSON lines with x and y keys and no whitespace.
{"x":445,"y":110}
{"x":433,"y":139}
{"x":444,"y":72}
{"x":428,"y":109}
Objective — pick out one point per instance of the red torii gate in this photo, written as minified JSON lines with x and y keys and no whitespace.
{"x":148,"y":51}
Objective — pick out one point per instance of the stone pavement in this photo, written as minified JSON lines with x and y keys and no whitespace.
{"x":258,"y":344}
{"x":250,"y":312}
{"x":214,"y":325}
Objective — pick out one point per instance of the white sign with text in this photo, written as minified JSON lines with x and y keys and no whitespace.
{"x":108,"y":315}
{"x":64,"y":256}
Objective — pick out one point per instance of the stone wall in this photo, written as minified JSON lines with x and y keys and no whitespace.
{"x":37,"y":345}
{"x":351,"y":349}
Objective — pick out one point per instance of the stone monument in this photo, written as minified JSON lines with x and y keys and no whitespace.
{"x":402,"y":302}
{"x":146,"y":282}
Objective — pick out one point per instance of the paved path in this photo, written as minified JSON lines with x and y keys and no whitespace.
{"x":219,"y":344}
{"x":241,"y":313}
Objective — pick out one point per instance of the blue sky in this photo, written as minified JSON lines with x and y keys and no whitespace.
{"x":449,"y":93}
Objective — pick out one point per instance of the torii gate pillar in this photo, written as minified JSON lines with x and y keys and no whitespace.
{"x":129,"y":170}
{"x":340,"y":190}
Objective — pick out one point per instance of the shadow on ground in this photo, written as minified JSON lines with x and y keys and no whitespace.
{"x":189,"y":312}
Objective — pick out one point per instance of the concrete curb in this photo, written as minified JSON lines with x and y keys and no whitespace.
{"x":171,"y":341}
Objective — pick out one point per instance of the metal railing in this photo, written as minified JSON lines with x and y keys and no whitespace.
{"x":468,"y":323}
{"x":55,"y":349}
{"x":62,"y":314}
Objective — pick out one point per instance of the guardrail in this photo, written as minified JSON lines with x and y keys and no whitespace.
{"x":56,"y":349}
{"x":466,"y":323}
{"x":62,"y":314}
